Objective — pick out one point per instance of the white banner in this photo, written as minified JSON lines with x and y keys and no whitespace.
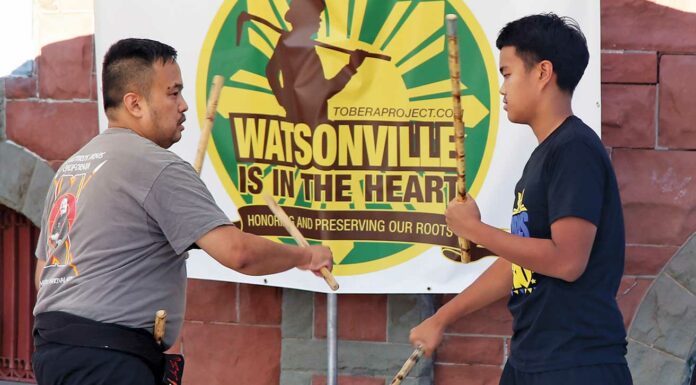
{"x":357,"y":147}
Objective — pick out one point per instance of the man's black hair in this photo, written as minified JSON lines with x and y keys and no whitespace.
{"x":128,"y":67}
{"x":549,"y":37}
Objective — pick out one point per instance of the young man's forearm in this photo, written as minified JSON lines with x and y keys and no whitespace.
{"x":536,"y":254}
{"x":495,"y":283}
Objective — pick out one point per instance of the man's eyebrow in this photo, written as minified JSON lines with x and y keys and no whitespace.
{"x":176,"y":87}
{"x":502,"y":68}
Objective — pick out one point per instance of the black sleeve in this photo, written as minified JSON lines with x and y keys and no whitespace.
{"x":577,"y":176}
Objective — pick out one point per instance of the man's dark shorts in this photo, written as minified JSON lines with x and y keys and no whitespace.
{"x":606,"y":374}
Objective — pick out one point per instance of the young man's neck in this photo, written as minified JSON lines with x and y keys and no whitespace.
{"x":551,"y":113}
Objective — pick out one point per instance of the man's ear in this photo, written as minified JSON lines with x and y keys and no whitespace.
{"x":545,"y":72}
{"x":134,"y":103}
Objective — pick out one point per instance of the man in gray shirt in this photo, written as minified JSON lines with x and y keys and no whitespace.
{"x":118,"y":221}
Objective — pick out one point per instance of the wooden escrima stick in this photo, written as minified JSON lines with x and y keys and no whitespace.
{"x":160,"y":321}
{"x":408,"y":365}
{"x":209,"y":120}
{"x":453,"y":59}
{"x":297,"y":235}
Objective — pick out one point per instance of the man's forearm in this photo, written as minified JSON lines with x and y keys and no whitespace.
{"x":251,"y":254}
{"x":263,"y":256}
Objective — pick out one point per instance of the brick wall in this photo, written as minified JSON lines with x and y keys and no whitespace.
{"x":244,"y":332}
{"x":53,"y":110}
{"x":373,"y":337}
{"x":232,"y":333}
{"x":648,"y":88}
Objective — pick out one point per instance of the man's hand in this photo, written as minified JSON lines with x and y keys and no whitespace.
{"x":427,"y":335}
{"x":320,"y":256}
{"x":461,"y":217}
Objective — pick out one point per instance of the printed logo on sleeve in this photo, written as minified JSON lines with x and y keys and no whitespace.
{"x":523,"y":281}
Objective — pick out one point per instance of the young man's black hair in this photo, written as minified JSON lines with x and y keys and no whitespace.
{"x":549,"y":37}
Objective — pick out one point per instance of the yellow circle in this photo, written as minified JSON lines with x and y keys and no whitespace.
{"x":416,"y":248}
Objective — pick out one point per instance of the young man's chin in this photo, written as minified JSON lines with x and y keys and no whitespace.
{"x":514,"y":118}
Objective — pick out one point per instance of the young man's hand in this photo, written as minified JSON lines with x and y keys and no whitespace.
{"x":320,"y":256}
{"x":427,"y":335}
{"x":461,"y":217}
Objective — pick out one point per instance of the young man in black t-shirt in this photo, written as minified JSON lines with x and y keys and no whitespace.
{"x":565,"y":253}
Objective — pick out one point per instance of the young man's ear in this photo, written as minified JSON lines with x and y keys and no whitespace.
{"x":545,"y":72}
{"x":133,"y":103}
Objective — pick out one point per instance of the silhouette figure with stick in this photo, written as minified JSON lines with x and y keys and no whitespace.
{"x":295,"y":72}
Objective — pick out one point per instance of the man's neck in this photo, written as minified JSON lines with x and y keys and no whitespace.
{"x":119,"y":123}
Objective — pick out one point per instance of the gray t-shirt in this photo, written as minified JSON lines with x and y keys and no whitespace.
{"x":118,"y":220}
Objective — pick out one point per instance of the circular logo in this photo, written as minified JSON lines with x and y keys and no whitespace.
{"x":343,"y":112}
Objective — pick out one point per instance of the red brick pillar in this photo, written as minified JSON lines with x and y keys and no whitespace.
{"x":232,"y":333}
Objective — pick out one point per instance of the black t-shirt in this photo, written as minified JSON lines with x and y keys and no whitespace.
{"x":559,"y":324}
